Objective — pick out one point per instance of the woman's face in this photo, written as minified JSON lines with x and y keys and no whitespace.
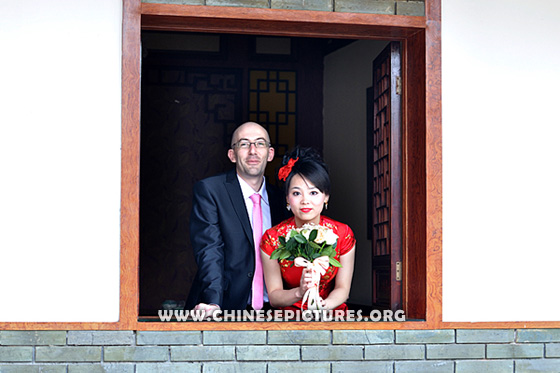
{"x":305,"y":200}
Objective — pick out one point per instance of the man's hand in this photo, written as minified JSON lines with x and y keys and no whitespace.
{"x":208,"y":309}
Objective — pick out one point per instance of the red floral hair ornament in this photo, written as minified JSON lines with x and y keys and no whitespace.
{"x":284,"y":171}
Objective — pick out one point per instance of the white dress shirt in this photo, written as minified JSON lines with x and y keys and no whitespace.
{"x":265,"y":208}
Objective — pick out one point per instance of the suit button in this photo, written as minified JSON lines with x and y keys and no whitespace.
{"x":250,"y":274}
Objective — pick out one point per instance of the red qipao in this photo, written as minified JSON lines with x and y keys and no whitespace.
{"x":291,"y":274}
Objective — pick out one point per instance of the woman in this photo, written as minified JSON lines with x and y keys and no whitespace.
{"x":307,"y":187}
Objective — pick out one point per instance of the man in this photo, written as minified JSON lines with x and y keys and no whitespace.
{"x":221,"y":225}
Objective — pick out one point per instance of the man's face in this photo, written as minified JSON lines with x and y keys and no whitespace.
{"x":250,"y":162}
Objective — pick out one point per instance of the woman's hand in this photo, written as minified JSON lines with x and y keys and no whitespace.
{"x":305,"y":282}
{"x":278,"y":296}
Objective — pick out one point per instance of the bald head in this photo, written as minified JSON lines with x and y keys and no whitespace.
{"x":250,"y":162}
{"x":249,"y":127}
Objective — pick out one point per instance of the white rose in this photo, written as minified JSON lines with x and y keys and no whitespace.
{"x":321,"y":237}
{"x":330,"y":237}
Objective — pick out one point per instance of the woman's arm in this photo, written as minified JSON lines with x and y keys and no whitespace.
{"x":343,"y":280}
{"x":277,"y":295}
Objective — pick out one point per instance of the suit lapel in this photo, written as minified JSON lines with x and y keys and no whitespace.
{"x":234,"y":190}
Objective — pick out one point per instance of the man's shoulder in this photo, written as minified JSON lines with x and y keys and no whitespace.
{"x":216,"y":185}
{"x":218,"y":178}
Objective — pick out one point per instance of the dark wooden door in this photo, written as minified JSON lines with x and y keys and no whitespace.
{"x":386,"y":164}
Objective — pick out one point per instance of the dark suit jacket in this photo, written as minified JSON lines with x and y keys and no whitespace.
{"x":222,"y":240}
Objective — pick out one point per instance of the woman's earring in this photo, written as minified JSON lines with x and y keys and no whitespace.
{"x":288,"y":207}
{"x":326,"y":205}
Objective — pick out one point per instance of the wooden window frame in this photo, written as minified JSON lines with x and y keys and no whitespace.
{"x":421,"y":40}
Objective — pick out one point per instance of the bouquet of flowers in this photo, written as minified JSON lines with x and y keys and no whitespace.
{"x":311,"y":246}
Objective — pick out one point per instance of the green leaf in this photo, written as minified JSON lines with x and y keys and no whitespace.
{"x":314,"y":245}
{"x":275,"y":254}
{"x":282,"y":240}
{"x":334,"y":262}
{"x":300,"y":238}
{"x":329,"y":251}
{"x":291,"y":245}
{"x":313,"y":235}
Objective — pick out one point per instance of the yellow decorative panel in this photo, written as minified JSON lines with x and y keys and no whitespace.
{"x":273,"y":104}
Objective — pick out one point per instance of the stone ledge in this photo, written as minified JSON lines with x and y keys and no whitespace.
{"x":202,"y":353}
{"x":168,"y":367}
{"x":463,"y":351}
{"x":411,"y":8}
{"x":324,"y":5}
{"x":100,"y":338}
{"x":67,"y":354}
{"x":136,"y":353}
{"x":483,"y":366}
{"x":425,"y":336}
{"x":101,"y":368}
{"x":538,"y":335}
{"x":302,"y":337}
{"x":395,"y":352}
{"x":33,"y":338}
{"x":485,"y":335}
{"x":332,"y":353}
{"x":353,"y":337}
{"x":267,"y":353}
{"x":504,"y":351}
{"x":424,"y":366}
{"x":37,"y":368}
{"x":16,"y":354}
{"x":169,"y":338}
{"x":257,"y":337}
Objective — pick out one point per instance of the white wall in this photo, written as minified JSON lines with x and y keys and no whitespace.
{"x":60,"y":160}
{"x":347,"y":75}
{"x":501,"y":201}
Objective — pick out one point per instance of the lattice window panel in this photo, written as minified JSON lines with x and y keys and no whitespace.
{"x":272,"y":103}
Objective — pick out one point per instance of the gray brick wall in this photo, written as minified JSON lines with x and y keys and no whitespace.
{"x":391,"y":351}
{"x":392,"y":7}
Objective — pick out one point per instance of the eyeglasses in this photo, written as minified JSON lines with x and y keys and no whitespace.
{"x":244,"y":144}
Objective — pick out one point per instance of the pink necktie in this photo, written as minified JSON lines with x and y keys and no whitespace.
{"x":257,"y":290}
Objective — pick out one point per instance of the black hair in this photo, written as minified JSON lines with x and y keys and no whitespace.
{"x":310,"y":166}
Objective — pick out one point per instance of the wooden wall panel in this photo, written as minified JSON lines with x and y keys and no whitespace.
{"x":130,"y":173}
{"x":414,"y":183}
{"x":433,"y":164}
{"x":172,"y":17}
